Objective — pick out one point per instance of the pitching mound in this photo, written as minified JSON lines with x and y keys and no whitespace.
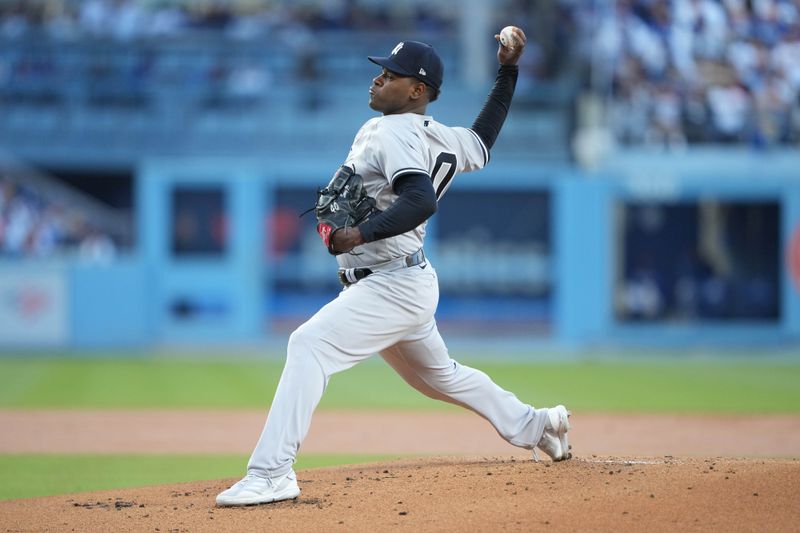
{"x":458,"y":494}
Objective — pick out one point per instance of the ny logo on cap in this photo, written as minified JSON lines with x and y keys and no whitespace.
{"x":397,"y":48}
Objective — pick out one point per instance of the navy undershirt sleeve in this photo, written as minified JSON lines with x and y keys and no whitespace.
{"x":493,"y":115}
{"x":416,"y":202}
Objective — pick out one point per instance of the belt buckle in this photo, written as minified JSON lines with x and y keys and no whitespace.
{"x":417,"y":258}
{"x":348,"y":276}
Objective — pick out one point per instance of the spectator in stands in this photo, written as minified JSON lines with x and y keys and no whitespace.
{"x":14,"y":20}
{"x":630,"y":109}
{"x":731,"y":107}
{"x":18,"y":218}
{"x":772,"y":98}
{"x":666,"y":127}
{"x":95,"y":17}
{"x":96,"y":247}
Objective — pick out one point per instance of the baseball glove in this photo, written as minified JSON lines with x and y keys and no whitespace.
{"x":343,"y":203}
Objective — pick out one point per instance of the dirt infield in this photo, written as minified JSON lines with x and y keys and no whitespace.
{"x":386,"y":433}
{"x":458,"y":494}
{"x":630,"y":473}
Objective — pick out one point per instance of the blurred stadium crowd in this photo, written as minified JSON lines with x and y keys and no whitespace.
{"x":675,"y":72}
{"x":142,"y":35}
{"x":133,"y":19}
{"x":696,"y":71}
{"x":31,"y":225}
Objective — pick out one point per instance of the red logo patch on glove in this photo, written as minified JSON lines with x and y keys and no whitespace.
{"x":325,"y":231}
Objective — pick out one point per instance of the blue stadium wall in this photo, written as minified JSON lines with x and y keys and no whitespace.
{"x":151,"y":297}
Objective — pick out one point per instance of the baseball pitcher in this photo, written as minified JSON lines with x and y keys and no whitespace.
{"x":372,"y":217}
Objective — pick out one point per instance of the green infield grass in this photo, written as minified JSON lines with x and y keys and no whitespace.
{"x":27,"y":476}
{"x":637,"y":385}
{"x":604,"y":384}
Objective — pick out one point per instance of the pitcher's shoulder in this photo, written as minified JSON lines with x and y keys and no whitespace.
{"x":387,"y":125}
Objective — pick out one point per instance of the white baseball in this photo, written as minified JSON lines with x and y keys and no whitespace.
{"x":507,"y":37}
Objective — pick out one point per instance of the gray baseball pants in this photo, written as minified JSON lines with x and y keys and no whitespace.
{"x":391,"y":314}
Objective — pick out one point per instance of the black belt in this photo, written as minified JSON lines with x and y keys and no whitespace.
{"x":348,"y":276}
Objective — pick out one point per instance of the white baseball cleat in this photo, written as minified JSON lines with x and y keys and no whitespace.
{"x":554,"y":441}
{"x":254,"y":489}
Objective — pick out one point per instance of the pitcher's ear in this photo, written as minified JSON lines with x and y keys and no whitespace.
{"x":418,"y":90}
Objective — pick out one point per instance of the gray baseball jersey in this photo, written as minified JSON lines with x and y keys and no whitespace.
{"x":388,"y":147}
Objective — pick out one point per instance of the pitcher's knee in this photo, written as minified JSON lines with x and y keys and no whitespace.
{"x":302,"y":343}
{"x":441,"y":379}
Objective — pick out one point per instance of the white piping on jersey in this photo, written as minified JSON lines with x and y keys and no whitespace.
{"x":486,"y":154}
{"x":410,"y":170}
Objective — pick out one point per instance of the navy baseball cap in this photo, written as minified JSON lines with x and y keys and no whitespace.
{"x":416,"y":59}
